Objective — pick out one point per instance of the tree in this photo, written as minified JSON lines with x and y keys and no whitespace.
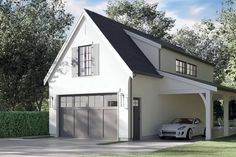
{"x":31,"y":35}
{"x":206,"y":41}
{"x":228,"y":20}
{"x":140,"y":15}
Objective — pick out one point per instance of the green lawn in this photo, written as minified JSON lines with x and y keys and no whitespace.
{"x":225,"y":147}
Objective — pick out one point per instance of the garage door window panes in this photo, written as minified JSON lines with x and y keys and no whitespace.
{"x":84,"y":101}
{"x":99,"y":101}
{"x":91,"y":101}
{"x":63,"y":101}
{"x":77,"y":101}
{"x":67,"y":101}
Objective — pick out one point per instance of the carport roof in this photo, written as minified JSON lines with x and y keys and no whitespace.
{"x":218,"y":86}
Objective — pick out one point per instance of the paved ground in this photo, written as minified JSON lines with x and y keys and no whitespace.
{"x":71,"y":147}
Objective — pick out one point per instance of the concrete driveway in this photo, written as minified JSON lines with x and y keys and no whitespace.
{"x":72,"y":147}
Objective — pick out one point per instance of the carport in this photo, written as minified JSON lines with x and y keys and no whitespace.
{"x":209,"y":92}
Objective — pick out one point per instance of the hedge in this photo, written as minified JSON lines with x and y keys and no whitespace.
{"x":18,"y":124}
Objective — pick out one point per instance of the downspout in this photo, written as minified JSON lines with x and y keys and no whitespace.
{"x":119,"y":99}
{"x":131,"y":109}
{"x":159,"y":51}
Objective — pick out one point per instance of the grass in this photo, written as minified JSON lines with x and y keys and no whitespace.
{"x":224,"y":147}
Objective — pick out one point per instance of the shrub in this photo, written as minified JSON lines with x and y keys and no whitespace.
{"x":17,"y":124}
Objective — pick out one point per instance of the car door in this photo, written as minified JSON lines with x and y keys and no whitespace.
{"x":197,"y":127}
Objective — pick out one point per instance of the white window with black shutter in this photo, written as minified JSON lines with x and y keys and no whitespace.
{"x":85,"y":60}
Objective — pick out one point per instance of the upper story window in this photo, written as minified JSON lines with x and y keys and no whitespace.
{"x":181,"y":66}
{"x":186,"y":68}
{"x":191,"y":70}
{"x":85,"y":60}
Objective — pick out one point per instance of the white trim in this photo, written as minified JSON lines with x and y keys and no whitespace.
{"x":209,"y":115}
{"x":203,"y":97}
{"x":65,"y":45}
{"x":189,"y":81}
{"x":182,"y":91}
{"x":63,"y":48}
{"x":150,"y":42}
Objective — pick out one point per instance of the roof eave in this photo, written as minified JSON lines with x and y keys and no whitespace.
{"x":227,"y":89}
{"x":55,"y":62}
{"x":157,"y":75}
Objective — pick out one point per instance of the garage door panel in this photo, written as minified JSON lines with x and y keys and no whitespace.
{"x":110,"y":124}
{"x":81,"y":123}
{"x":67,"y":123}
{"x":95,"y":123}
{"x":89,"y":116}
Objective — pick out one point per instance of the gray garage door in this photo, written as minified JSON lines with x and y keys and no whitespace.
{"x":89,"y":116}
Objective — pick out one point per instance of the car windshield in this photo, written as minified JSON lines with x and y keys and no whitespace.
{"x":182,"y":121}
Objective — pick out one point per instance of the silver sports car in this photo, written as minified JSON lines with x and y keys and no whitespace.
{"x":183,"y":128}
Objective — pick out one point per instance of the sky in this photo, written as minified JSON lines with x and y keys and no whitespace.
{"x":186,"y":12}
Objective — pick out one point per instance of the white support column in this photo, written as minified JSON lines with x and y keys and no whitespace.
{"x":226,"y":115}
{"x":208,"y":112}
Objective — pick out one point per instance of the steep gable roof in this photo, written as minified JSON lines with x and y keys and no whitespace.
{"x":114,"y":31}
{"x":123,"y":44}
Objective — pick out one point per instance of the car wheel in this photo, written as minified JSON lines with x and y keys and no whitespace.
{"x":204,"y":133}
{"x":189,"y":134}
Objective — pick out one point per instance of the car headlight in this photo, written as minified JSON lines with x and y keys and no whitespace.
{"x":181,"y":128}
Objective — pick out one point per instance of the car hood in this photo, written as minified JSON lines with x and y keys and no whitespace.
{"x":173,"y":126}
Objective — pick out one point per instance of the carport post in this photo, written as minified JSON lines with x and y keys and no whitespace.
{"x":226,"y":115}
{"x":209,"y":110}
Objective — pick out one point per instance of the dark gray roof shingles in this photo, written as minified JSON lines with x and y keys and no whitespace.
{"x":123,"y":44}
{"x":132,"y":55}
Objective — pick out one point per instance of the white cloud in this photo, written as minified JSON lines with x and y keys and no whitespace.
{"x":76,"y":7}
{"x":153,"y":1}
{"x":195,"y":10}
{"x":180,"y":22}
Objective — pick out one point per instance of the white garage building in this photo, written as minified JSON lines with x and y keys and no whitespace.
{"x":110,"y":81}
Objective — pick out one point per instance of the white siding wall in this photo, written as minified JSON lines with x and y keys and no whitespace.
{"x":157,"y":109}
{"x":112,"y":78}
{"x":168,"y":58}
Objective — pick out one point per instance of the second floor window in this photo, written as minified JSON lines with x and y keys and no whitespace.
{"x":85,"y":60}
{"x":191,"y":70}
{"x":186,"y":68}
{"x":181,"y":67}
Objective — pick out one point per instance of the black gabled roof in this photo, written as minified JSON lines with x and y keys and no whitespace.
{"x":114,"y":31}
{"x":123,"y":44}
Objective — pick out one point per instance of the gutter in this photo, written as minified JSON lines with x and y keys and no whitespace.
{"x":157,"y":75}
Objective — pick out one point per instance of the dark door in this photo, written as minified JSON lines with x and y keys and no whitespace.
{"x":136,"y":119}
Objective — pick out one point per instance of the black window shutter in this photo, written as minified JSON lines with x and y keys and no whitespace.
{"x":95,"y":59}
